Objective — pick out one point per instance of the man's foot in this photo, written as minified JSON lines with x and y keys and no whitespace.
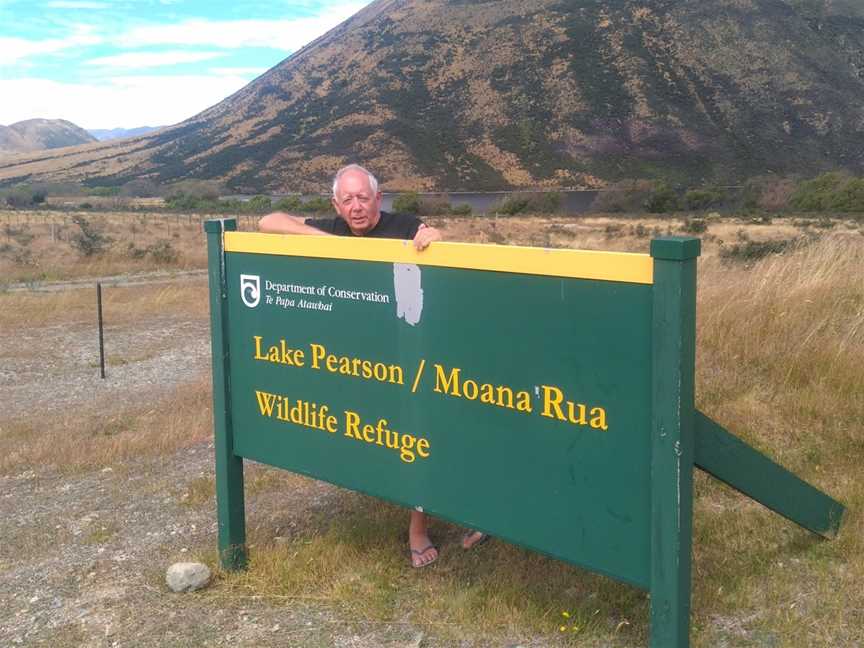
{"x":474,"y":538}
{"x":424,"y":556}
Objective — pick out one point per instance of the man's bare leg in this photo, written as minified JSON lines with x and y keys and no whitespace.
{"x":423,"y":551}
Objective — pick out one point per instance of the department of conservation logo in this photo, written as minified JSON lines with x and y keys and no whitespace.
{"x":250,"y":289}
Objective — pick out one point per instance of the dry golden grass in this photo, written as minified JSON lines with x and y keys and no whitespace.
{"x":86,"y":440}
{"x":120,"y":304}
{"x":37,"y":245}
{"x":780,"y":351}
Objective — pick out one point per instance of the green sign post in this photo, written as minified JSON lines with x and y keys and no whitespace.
{"x":543,"y":396}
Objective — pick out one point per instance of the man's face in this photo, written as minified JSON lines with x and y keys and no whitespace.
{"x":356,"y":203}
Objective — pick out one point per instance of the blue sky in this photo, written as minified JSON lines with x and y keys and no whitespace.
{"x":127,"y":63}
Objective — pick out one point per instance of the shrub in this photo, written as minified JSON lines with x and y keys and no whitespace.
{"x":88,"y":241}
{"x":534,"y":202}
{"x":163,"y":252}
{"x":694,"y":225}
{"x":662,"y":199}
{"x":24,"y":196}
{"x":699,"y":199}
{"x":833,"y":191}
{"x":407,"y":203}
{"x":750,"y":251}
{"x":259,"y":204}
{"x":461,"y":210}
{"x":287,"y":204}
{"x":623,"y":196}
{"x":316,"y":205}
{"x":513,"y":205}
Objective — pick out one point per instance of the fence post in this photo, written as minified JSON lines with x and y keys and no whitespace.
{"x":672,"y":446}
{"x":230,"y":506}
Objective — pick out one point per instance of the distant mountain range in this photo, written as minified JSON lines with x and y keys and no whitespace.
{"x":481,"y":94}
{"x":40,"y":134}
{"x":103,"y":134}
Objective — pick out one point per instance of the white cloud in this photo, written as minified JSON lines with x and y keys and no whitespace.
{"x":287,"y":35}
{"x":123,"y":102}
{"x":239,"y":71}
{"x":136,"y":60}
{"x":75,"y":4}
{"x":14,"y":49}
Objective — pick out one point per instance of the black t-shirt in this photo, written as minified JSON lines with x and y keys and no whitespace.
{"x":393,"y":226}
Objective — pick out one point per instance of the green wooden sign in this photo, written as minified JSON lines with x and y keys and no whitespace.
{"x":543,"y":396}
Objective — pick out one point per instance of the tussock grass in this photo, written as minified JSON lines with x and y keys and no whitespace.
{"x":86,"y":441}
{"x":779,"y":363}
{"x":39,"y":246}
{"x":120,"y":304}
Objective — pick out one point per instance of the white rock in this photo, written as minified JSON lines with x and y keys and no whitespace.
{"x":187,"y":576}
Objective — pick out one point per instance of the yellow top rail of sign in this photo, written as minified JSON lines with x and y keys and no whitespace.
{"x":579,"y":264}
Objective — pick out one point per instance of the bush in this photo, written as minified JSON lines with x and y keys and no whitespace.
{"x":535,"y":202}
{"x":259,"y":204}
{"x":24,"y":196}
{"x":163,"y":252}
{"x":750,"y":251}
{"x":662,"y":199}
{"x":88,"y":240}
{"x":317,"y":205}
{"x":830,"y":192}
{"x":694,"y":225}
{"x":700,"y":199}
{"x":461,"y":210}
{"x":407,"y":203}
{"x":623,"y":196}
{"x":287,"y":204}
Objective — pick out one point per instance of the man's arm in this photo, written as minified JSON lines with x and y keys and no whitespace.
{"x":424,"y":236}
{"x":282,"y":223}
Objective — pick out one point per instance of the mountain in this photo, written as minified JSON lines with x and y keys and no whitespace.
{"x":103,"y":134}
{"x":40,"y":134}
{"x":481,"y":94}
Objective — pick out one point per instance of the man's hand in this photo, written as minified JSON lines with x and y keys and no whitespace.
{"x":424,"y":236}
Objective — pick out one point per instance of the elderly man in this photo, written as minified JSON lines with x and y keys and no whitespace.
{"x":357,"y":202}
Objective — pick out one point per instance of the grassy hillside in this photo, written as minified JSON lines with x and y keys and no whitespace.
{"x":488,"y":95}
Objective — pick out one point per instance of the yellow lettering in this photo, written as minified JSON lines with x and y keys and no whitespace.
{"x":423,"y":448}
{"x":318,"y":352}
{"x":523,"y":402}
{"x":258,"y":355}
{"x":505,"y":397}
{"x":447,"y":384}
{"x":405,"y":452}
{"x":265,"y":402}
{"x":469,"y":389}
{"x":552,"y":397}
{"x":352,"y":424}
{"x":598,"y":419}
{"x":487,"y":394}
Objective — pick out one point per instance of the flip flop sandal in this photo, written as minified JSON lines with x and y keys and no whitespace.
{"x":483,"y":538}
{"x":420,"y":552}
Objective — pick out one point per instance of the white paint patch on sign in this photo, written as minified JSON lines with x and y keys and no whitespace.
{"x":409,"y":292}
